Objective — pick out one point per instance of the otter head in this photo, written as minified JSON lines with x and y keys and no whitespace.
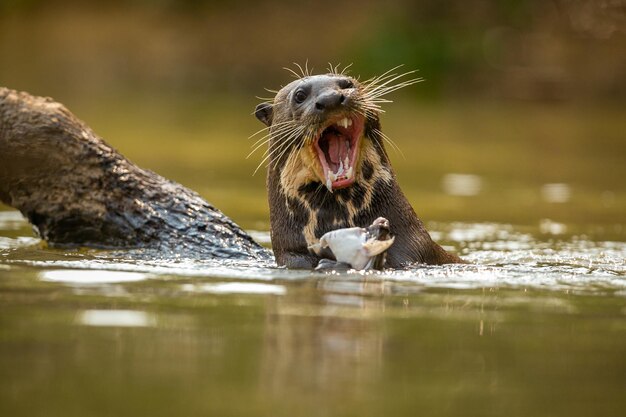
{"x":319,"y":127}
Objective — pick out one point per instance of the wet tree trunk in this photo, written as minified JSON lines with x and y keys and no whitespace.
{"x":79,"y":191}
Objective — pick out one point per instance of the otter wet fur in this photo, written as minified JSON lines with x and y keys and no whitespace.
{"x":327,"y":168}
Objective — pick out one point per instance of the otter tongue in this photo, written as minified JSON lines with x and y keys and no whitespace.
{"x":337,"y":149}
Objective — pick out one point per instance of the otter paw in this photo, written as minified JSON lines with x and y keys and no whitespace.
{"x":329,"y":264}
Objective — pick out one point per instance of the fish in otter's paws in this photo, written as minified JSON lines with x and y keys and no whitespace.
{"x":360,"y":248}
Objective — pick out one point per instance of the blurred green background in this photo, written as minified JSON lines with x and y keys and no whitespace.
{"x":521,"y":116}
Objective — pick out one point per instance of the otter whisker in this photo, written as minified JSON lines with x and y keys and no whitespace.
{"x":370,"y":108}
{"x":261,"y":142}
{"x":284,"y":148}
{"x":319,"y":188}
{"x":284,"y":135}
{"x":384,"y":85}
{"x":379,"y":78}
{"x":278,"y":129}
{"x":391,"y":142}
{"x":266,"y":138}
{"x":326,"y":195}
{"x":374,"y":112}
{"x":280,"y":132}
{"x":306,"y":66}
{"x":381,"y":84}
{"x":289,"y":128}
{"x":334,"y":69}
{"x":267,"y":133}
{"x":267,"y":128}
{"x":385,"y":89}
{"x":295,"y":74}
{"x":259,"y":146}
{"x":269,"y":99}
{"x":255,"y":149}
{"x":362,"y":112}
{"x":268,"y":154}
{"x":285,"y":139}
{"x":389,"y":89}
{"x":307,"y":135}
{"x":381,"y":100}
{"x":292,"y":160}
{"x":369,"y":103}
{"x":365,"y":111}
{"x":346,"y":69}
{"x":305,"y":72}
{"x":374,"y":107}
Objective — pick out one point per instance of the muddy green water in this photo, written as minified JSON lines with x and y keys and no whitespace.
{"x":534,"y":326}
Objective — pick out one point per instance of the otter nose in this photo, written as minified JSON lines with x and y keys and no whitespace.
{"x":329,"y":100}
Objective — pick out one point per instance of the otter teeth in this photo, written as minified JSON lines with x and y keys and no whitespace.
{"x":340,"y":169}
{"x":344,"y":171}
{"x":345,"y":122}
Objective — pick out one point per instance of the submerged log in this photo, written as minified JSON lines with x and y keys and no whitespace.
{"x":79,"y":191}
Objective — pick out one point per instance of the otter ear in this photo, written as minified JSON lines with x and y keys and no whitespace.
{"x":264,"y":112}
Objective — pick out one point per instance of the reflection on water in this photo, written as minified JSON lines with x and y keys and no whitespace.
{"x":236,"y":288}
{"x":556,"y":193}
{"x":116,"y":318}
{"x":549,"y":227}
{"x":322,"y":347}
{"x":534,"y":325}
{"x":91,"y":277}
{"x":11,"y":220}
{"x":461,"y":184}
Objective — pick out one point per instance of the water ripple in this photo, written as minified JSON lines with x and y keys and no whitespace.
{"x":500,"y":255}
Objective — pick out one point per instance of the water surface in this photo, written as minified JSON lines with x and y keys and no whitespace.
{"x":532,"y":195}
{"x":535,"y":326}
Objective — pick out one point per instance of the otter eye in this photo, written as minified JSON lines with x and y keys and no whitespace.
{"x":346,"y":83}
{"x":300,"y":96}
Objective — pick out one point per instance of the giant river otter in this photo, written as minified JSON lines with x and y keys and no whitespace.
{"x":328,"y":169}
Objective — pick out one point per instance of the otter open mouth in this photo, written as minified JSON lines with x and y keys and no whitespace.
{"x":337,"y":147}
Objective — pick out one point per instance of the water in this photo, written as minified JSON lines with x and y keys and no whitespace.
{"x":534,"y":326}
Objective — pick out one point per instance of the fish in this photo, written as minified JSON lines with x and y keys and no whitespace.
{"x":361,"y":248}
